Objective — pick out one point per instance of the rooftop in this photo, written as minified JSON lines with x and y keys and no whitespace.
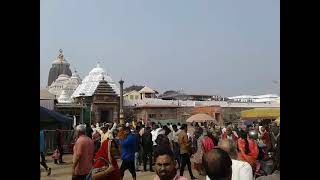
{"x":45,"y":94}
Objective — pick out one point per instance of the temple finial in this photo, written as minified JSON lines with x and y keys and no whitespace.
{"x":60,"y":57}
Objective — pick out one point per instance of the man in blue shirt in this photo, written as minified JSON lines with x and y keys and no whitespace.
{"x":128,"y":149}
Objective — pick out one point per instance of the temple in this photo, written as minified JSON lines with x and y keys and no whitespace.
{"x":99,"y":92}
{"x":59,"y":66}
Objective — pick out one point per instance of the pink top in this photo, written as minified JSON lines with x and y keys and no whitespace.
{"x":177,"y":177}
{"x":84,"y":148}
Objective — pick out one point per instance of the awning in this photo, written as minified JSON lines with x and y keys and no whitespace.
{"x":50,"y":119}
{"x":260,"y":113}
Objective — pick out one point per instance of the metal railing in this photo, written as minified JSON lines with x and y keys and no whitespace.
{"x":50,"y":144}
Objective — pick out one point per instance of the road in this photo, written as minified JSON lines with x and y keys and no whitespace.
{"x":63,"y":172}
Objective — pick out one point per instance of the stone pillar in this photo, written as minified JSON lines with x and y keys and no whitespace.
{"x":121,"y":102}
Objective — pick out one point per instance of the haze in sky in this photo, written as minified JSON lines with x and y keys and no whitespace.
{"x":226,"y":48}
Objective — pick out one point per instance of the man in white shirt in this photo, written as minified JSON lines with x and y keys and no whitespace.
{"x":240,"y":170}
{"x":155,"y":134}
{"x":179,"y":126}
{"x":175,"y":133}
{"x":109,"y":133}
{"x":103,"y":133}
{"x":175,"y":143}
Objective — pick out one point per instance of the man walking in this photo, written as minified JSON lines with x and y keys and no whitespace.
{"x":59,"y":143}
{"x":82,"y":155}
{"x":175,"y":143}
{"x":185,"y":150}
{"x":128,"y":149}
{"x":147,"y":145}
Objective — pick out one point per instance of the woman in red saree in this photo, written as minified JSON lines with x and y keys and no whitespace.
{"x":247,"y":149}
{"x":107,"y":151}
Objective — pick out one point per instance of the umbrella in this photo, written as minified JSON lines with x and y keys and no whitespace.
{"x":201,"y":118}
{"x":51,"y":119}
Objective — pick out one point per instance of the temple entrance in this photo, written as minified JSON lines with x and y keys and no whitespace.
{"x":105,"y":116}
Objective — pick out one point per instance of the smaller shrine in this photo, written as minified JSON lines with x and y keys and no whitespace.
{"x":105,"y":104}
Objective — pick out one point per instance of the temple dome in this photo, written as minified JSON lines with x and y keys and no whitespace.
{"x":91,"y":81}
{"x":75,"y":77}
{"x":97,"y":70}
{"x":57,"y":85}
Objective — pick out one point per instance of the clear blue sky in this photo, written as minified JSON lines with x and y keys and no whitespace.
{"x":225,"y":47}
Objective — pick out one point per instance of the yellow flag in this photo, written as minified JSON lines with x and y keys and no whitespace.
{"x":133,"y":124}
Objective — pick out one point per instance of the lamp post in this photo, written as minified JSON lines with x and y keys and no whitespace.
{"x":121,"y":102}
{"x":82,"y":98}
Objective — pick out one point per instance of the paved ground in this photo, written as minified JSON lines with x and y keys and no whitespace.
{"x":63,"y":172}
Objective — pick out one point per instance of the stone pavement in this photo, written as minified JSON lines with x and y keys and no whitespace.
{"x":63,"y":172}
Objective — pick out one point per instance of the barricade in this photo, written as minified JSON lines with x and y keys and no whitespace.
{"x":50,"y":144}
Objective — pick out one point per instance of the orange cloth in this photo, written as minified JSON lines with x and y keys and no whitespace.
{"x":251,"y":157}
{"x":121,"y":135}
{"x":253,"y":147}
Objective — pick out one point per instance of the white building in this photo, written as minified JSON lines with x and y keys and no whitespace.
{"x":144,"y":93}
{"x":91,"y":81}
{"x":132,"y":95}
{"x":147,"y":92}
{"x":267,"y":98}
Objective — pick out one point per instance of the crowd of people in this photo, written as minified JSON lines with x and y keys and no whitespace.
{"x":231,"y":152}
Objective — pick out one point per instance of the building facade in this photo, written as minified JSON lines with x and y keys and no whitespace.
{"x":132,"y":95}
{"x":144,"y":93}
{"x":148,"y":113}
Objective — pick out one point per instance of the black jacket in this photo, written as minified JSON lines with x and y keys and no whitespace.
{"x":89,"y":132}
{"x":147,"y":143}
